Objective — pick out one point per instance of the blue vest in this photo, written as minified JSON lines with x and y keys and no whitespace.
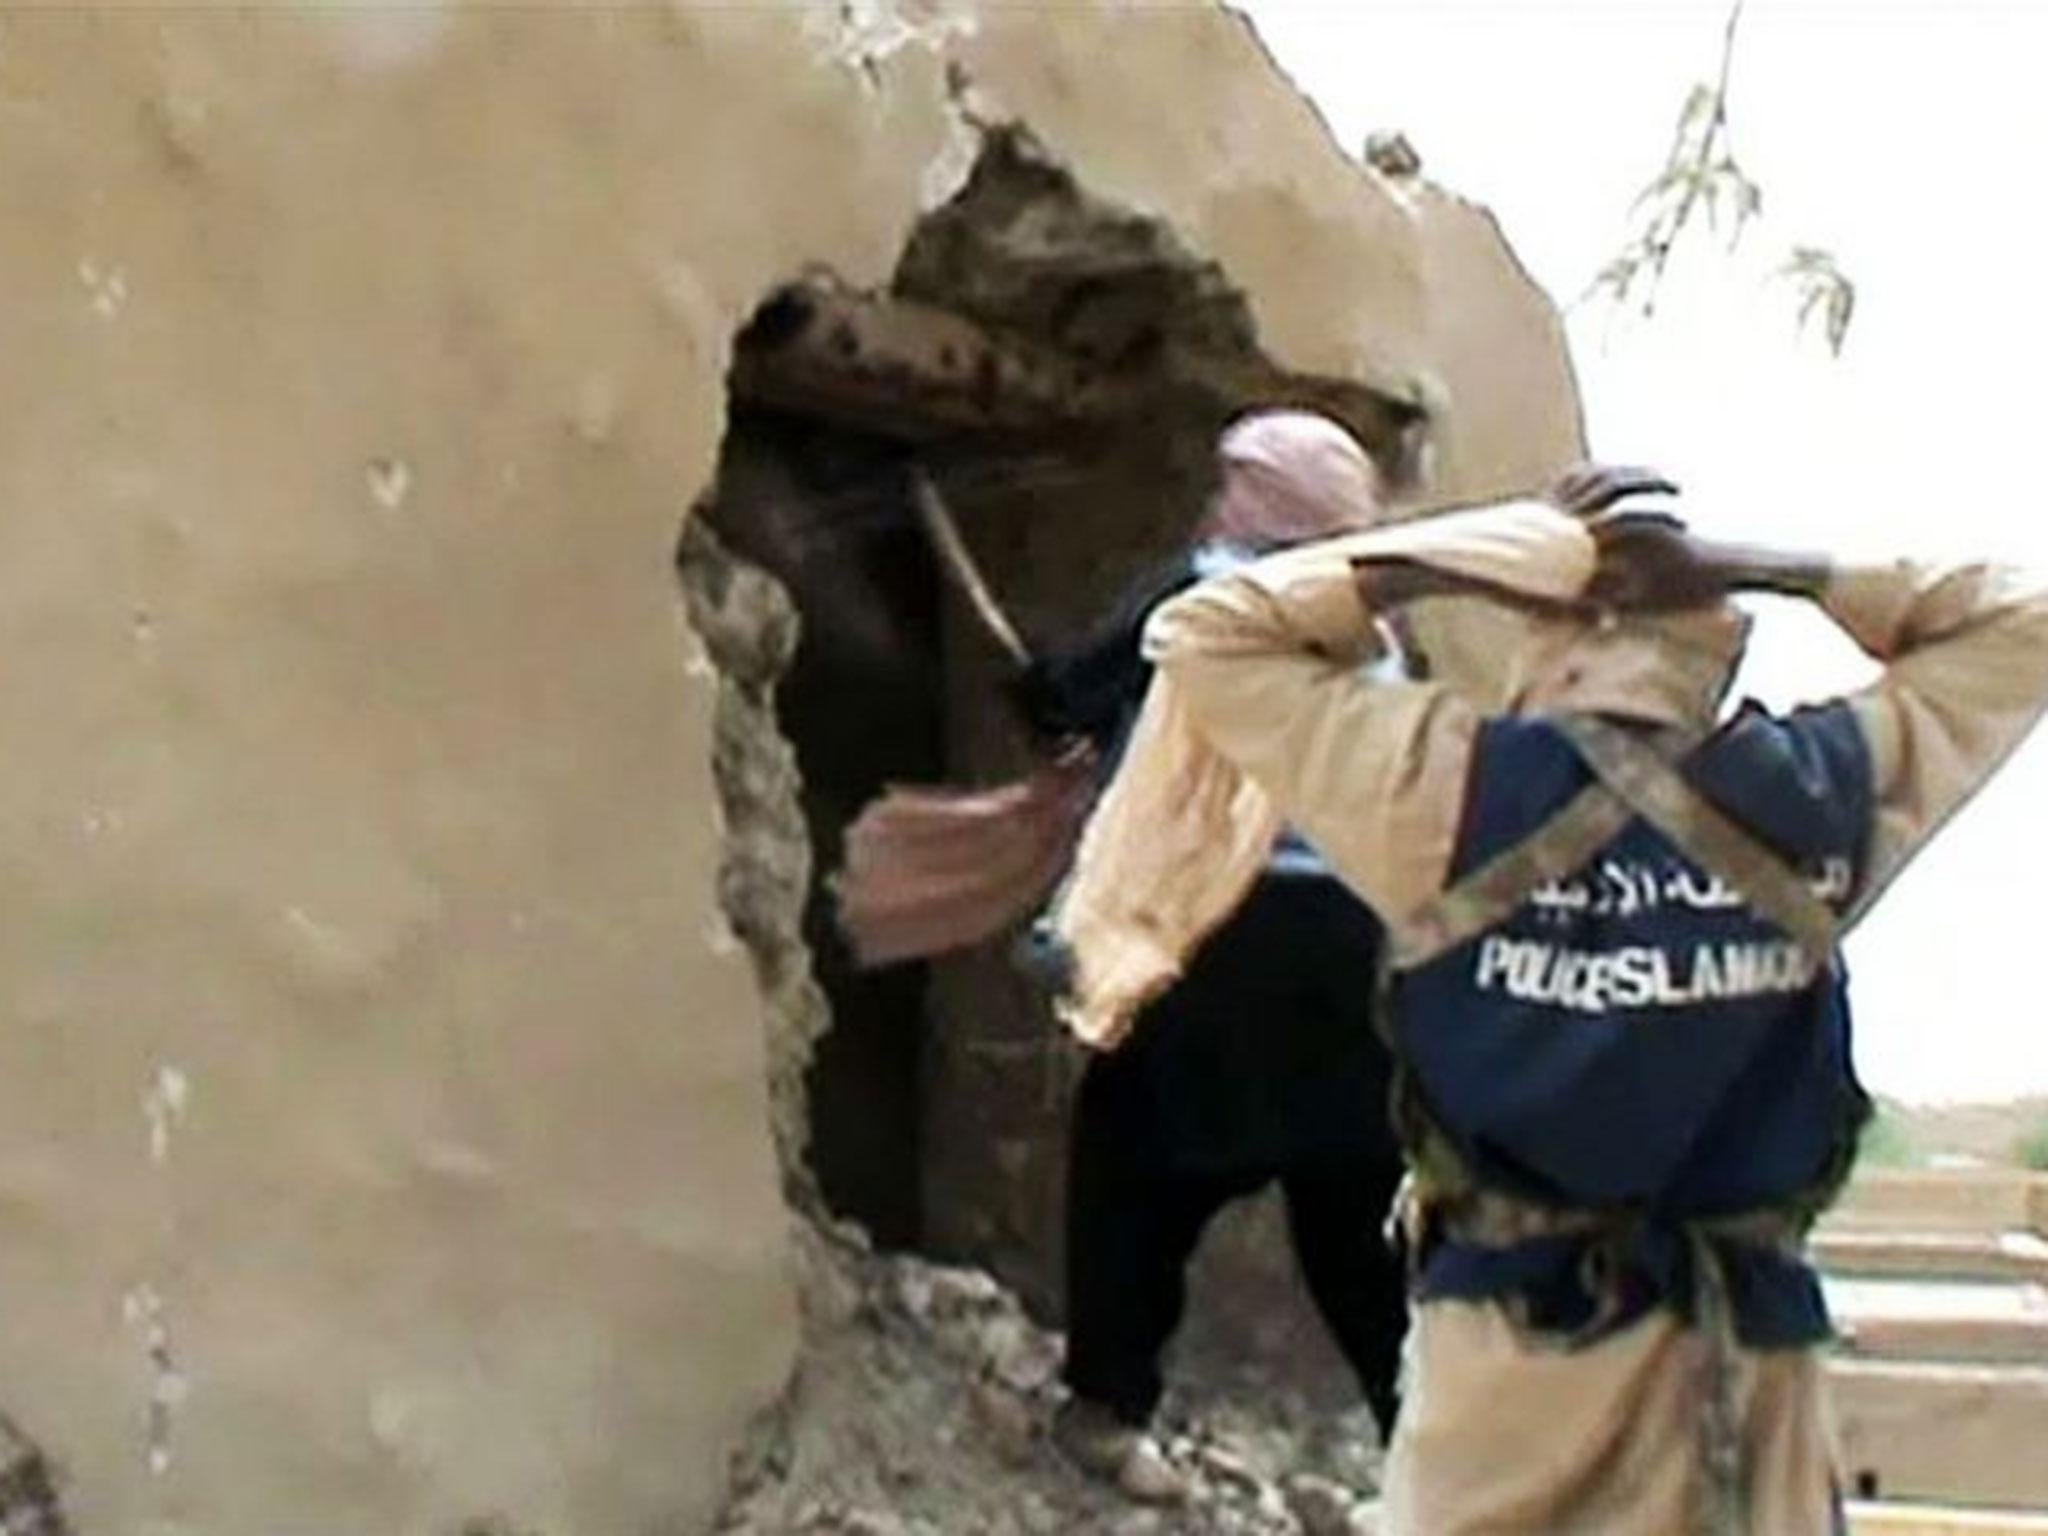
{"x":1636,"y":1041}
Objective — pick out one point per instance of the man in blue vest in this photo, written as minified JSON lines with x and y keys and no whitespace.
{"x":1614,"y":992}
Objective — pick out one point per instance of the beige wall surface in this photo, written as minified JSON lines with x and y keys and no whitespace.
{"x":383,"y":1137}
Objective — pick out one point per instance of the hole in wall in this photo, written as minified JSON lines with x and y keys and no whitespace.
{"x":1060,"y":367}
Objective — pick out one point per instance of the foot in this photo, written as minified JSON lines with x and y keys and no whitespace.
{"x":1102,"y":1445}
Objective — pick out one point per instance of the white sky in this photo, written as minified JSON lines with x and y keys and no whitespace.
{"x":1903,"y":136}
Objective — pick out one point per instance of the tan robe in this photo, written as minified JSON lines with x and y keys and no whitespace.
{"x":1500,"y":1434}
{"x":1181,"y":833}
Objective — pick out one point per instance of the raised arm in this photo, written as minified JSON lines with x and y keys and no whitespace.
{"x":1373,"y":772}
{"x":1965,"y":650}
{"x":1091,"y":686}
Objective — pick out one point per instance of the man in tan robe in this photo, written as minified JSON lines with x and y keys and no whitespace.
{"x":1506,"y":1428}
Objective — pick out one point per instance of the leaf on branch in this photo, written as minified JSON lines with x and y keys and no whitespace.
{"x":1824,"y":290}
{"x":1749,"y":204}
{"x":1617,"y":277}
{"x":1744,"y":197}
{"x":1671,"y":179}
{"x":1695,"y":119}
{"x":1701,"y":174}
{"x":1841,"y":310}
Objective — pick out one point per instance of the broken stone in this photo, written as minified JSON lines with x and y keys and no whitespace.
{"x":960,"y":1292}
{"x":914,"y":1292}
{"x":1265,"y":1446}
{"x":28,"y":1490}
{"x":875,"y":1522}
{"x":1347,"y":1448}
{"x":825,"y":1260}
{"x":749,"y":630}
{"x":1390,"y":153}
{"x":1227,"y":1466}
{"x":1038,"y":1515}
{"x":1271,"y":1505}
{"x":1009,"y":1422}
{"x":907,"y":1411}
{"x":1020,"y":1356}
{"x":1322,"y":1506}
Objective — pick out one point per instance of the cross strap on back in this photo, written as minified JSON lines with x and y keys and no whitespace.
{"x":1632,"y":777}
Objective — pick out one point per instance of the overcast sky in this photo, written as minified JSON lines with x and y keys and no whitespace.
{"x":1905,"y":138}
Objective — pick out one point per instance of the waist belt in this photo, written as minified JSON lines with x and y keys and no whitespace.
{"x":1570,"y":1279}
{"x":1575,"y":1280}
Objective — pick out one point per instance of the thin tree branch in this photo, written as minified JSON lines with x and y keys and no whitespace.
{"x":1699,"y":173}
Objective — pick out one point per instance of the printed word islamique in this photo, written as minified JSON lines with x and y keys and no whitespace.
{"x":1639,"y":975}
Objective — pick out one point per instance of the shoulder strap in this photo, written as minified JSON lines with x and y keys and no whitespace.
{"x":1588,"y":822}
{"x":1632,"y":779}
{"x":1656,"y":791}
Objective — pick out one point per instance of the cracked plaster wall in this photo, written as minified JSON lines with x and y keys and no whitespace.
{"x":383,"y":1109}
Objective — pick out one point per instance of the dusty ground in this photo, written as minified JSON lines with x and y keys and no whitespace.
{"x":920,"y":1410}
{"x":921,"y":1404}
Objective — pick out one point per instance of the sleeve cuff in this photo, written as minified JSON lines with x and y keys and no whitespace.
{"x":1871,"y":603}
{"x":1323,"y":603}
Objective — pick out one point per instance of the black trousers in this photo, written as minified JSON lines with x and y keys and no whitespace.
{"x":1261,"y":1065}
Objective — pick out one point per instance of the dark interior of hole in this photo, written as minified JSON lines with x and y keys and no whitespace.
{"x":883,"y":689}
{"x":1061,"y":367}
{"x":823,"y":508}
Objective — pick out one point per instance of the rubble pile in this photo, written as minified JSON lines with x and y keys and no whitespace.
{"x":921,"y":1407}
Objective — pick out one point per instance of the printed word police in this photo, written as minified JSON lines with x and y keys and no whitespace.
{"x":1640,"y":975}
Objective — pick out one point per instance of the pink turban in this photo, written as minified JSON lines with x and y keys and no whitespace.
{"x":1290,"y":476}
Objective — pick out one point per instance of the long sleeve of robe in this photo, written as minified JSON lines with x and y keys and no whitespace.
{"x":1500,"y":1433}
